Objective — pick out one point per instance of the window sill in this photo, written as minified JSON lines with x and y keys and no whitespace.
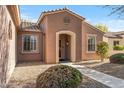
{"x":30,"y":52}
{"x":91,"y":51}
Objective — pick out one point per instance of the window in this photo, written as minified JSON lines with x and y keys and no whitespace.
{"x":10,"y":31}
{"x":29,"y":43}
{"x":91,"y":43}
{"x":115,"y":43}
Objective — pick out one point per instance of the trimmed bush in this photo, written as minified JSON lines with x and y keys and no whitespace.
{"x":60,"y":76}
{"x":118,"y":47}
{"x":117,"y":58}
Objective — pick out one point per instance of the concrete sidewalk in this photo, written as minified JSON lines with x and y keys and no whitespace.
{"x":105,"y":79}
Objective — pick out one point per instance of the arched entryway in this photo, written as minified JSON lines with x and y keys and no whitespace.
{"x":65,"y":46}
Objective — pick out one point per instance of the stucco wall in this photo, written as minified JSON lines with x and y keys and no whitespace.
{"x":55,"y":23}
{"x":7,"y":46}
{"x":86,"y":29}
{"x":110,"y":42}
{"x":28,"y":57}
{"x":43,"y":28}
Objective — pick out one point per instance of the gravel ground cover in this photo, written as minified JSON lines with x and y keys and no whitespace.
{"x":25,"y":74}
{"x":106,"y":67}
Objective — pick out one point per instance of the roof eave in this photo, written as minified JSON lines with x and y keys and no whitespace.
{"x":44,"y":14}
{"x":14,"y":11}
{"x":112,"y":37}
{"x":93,"y":27}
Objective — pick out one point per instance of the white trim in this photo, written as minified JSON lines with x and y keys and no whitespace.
{"x":73,"y":44}
{"x":37,"y":48}
{"x":95,"y":43}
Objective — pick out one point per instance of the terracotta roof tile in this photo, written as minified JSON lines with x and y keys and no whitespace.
{"x":29,"y":26}
{"x":58,"y":10}
{"x":114,"y":34}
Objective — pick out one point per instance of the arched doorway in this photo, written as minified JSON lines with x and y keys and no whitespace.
{"x":65,"y":46}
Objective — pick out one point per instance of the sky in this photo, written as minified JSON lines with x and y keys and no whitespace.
{"x":93,"y":14}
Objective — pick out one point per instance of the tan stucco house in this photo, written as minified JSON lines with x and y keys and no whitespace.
{"x":114,"y":39}
{"x":57,"y":36}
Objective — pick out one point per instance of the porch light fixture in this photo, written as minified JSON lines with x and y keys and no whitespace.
{"x":67,"y":43}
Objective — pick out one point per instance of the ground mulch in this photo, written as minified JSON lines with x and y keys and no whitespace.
{"x":25,"y":74}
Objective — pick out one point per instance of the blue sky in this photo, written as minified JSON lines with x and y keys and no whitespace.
{"x":93,"y":14}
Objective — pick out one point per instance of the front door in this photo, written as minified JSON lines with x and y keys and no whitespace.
{"x":64,"y":48}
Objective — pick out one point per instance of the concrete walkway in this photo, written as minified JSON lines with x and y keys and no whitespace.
{"x":105,"y":79}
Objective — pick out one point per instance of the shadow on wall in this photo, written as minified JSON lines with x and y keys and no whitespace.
{"x":4,"y":46}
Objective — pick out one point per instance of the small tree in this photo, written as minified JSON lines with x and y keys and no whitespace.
{"x":102,"y":50}
{"x":102,"y":27}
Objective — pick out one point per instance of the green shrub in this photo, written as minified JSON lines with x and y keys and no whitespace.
{"x":102,"y":49}
{"x":118,"y":47}
{"x":117,"y":58}
{"x":60,"y":76}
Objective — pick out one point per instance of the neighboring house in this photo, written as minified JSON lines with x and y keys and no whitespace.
{"x":114,"y":39}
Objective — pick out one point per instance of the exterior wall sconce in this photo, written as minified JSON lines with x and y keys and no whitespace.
{"x":67,"y":43}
